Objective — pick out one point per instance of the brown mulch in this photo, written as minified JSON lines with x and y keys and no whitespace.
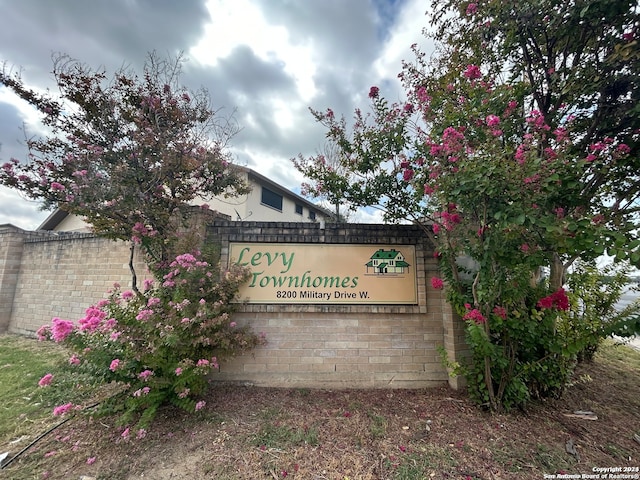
{"x":252,"y":433}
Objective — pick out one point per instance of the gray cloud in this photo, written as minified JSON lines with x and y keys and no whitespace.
{"x":344,"y":39}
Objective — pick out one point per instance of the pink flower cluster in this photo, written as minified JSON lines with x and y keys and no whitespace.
{"x":557,"y":299}
{"x":46,"y":380}
{"x":60,"y":329}
{"x":114,"y":364}
{"x":92,"y":319}
{"x":474,"y":314}
{"x":62,"y":409}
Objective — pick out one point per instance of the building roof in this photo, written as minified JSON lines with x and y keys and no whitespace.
{"x":382,"y":254}
{"x":58,"y":215}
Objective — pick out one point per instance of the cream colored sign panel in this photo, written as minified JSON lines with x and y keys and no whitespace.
{"x":327,"y":274}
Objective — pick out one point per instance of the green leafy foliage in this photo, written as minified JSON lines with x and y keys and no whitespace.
{"x":158,"y":346}
{"x":505,"y":154}
{"x":129,"y":154}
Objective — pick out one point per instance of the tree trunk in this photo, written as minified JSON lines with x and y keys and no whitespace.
{"x":134,"y":277}
{"x":557,"y":274}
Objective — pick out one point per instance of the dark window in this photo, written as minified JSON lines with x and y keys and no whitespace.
{"x":312,"y":215}
{"x":271,"y":198}
{"x":298,"y":209}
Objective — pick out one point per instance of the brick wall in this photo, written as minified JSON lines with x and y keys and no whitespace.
{"x":57,"y":274}
{"x":337,"y":346}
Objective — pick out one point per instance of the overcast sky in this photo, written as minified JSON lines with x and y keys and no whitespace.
{"x":267,"y":60}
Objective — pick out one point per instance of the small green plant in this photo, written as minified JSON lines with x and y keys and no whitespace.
{"x":158,"y":346}
{"x":276,"y":435}
{"x":595,"y":292}
{"x":378,"y":426}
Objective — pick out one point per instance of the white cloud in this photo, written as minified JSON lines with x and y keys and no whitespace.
{"x":267,"y":60}
{"x":241,"y":22}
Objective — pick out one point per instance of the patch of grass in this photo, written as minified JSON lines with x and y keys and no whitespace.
{"x":621,"y":356}
{"x":378,"y":426}
{"x":272,"y":435}
{"x":422,"y":464}
{"x":24,"y":406}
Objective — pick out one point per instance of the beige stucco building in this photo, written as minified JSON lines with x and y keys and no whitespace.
{"x":266,"y":202}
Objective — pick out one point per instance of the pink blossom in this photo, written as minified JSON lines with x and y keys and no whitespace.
{"x":202,"y":362}
{"x":144,"y":315}
{"x":62,"y":409}
{"x":628,"y":36}
{"x":57,"y":186}
{"x":50,"y":454}
{"x":184,"y":393}
{"x":561,"y":134}
{"x":92,"y":319}
{"x":127,"y":295}
{"x":472,"y":72}
{"x":125,"y":434}
{"x":500,"y":312}
{"x":153,"y":301}
{"x":436,"y":228}
{"x":148,"y":283}
{"x":623,"y":148}
{"x":60,"y":329}
{"x":557,"y":299}
{"x":407,"y":175}
{"x":74,"y":360}
{"x":178,"y":371}
{"x":145,"y":375}
{"x":475,"y":315}
{"x":232,"y":324}
{"x":524,"y":247}
{"x":114,"y":364}
{"x":46,"y":380}
{"x":200,"y":405}
{"x":437,"y":283}
{"x":423,"y":95}
{"x":492,"y":120}
{"x":472,"y":8}
{"x":43,"y":333}
{"x":140,"y":434}
{"x":91,"y":460}
{"x":374,"y":92}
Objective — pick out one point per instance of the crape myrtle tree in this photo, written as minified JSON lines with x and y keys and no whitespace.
{"x":517,"y":151}
{"x":128,"y":154}
{"x":327,"y":166}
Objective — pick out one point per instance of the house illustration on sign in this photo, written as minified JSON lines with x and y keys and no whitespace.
{"x":387,"y":262}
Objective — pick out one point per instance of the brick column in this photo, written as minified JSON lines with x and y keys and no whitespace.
{"x":11,"y":246}
{"x":454,"y":342}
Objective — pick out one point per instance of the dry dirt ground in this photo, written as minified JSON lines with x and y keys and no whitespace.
{"x":258,"y":433}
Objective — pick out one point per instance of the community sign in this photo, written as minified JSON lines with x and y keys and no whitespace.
{"x":327,"y":273}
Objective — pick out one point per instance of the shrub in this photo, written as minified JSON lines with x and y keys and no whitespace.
{"x":595,"y":294}
{"x":158,"y":346}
